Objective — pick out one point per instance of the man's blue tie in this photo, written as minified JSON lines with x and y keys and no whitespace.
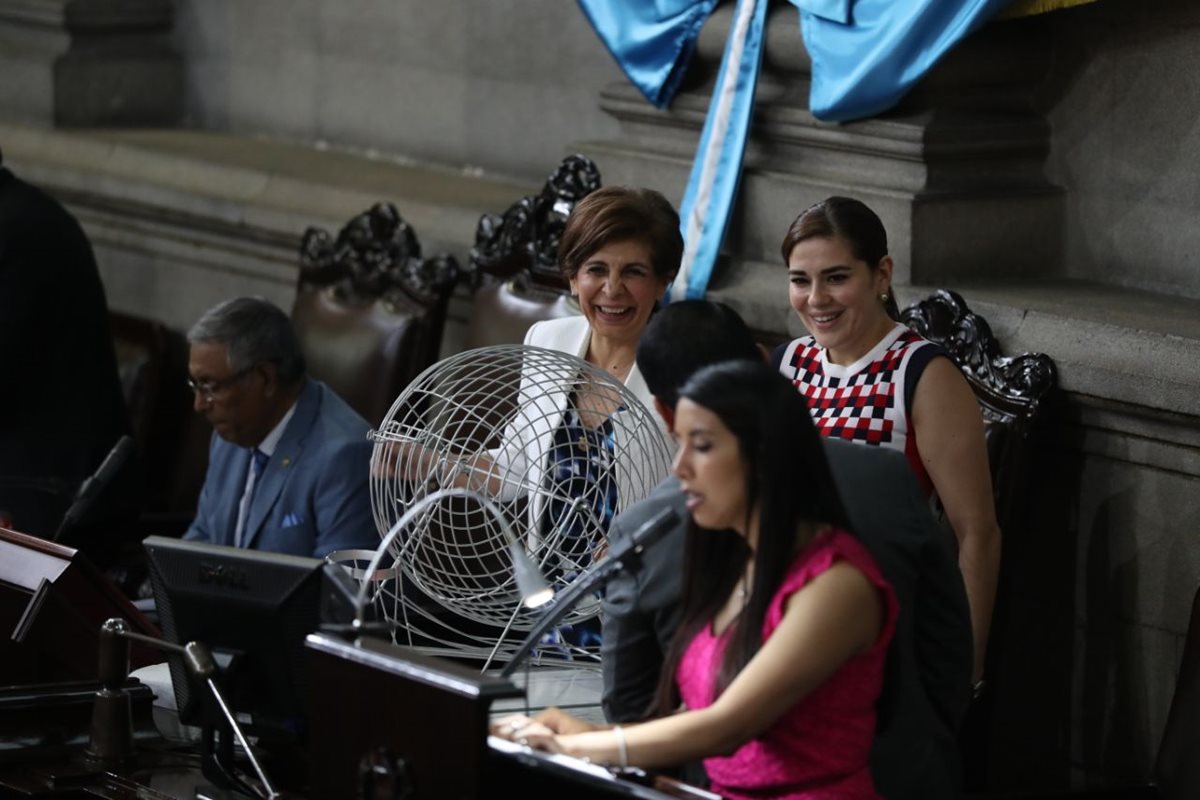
{"x":258,"y":462}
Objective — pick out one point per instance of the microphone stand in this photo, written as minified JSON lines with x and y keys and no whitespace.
{"x":93,"y":486}
{"x":627,"y":557}
{"x":111,"y":737}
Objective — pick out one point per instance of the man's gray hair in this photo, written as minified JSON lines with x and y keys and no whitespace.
{"x":254,"y":330}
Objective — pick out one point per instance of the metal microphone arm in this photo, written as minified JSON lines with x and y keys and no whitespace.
{"x":200,"y":664}
{"x":626,"y":557}
{"x":93,"y":486}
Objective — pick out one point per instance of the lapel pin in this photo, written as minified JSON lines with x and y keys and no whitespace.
{"x":285,"y":462}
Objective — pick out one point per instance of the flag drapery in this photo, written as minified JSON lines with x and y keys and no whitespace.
{"x":711,"y":188}
{"x":866,"y":54}
{"x":652,"y":40}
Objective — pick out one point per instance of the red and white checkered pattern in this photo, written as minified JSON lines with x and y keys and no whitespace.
{"x":862,"y":402}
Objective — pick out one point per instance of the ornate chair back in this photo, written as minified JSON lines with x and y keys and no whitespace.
{"x":518,"y":250}
{"x":141,"y":349}
{"x":172,"y":440}
{"x":1011,"y":391}
{"x":369,"y":310}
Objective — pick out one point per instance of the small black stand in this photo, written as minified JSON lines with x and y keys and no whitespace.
{"x":112,"y":734}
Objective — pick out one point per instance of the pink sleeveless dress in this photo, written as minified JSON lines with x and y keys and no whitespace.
{"x":818,"y":749}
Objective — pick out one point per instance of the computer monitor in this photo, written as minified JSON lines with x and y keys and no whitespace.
{"x":252,"y":610}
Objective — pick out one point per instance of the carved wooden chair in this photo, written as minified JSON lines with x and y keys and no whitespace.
{"x":369,"y":309}
{"x":141,"y":350}
{"x":1012,"y":393}
{"x":1010,"y":390}
{"x":172,"y":447}
{"x":152,"y":365}
{"x":517,"y":254}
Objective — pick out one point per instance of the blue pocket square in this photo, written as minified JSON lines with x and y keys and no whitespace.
{"x":292,"y":520}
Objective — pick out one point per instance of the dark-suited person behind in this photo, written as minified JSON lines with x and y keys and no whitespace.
{"x":926,"y":686}
{"x":61,"y":408}
{"x":289,"y":459}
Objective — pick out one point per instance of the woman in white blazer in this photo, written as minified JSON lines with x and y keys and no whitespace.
{"x":620,"y":249}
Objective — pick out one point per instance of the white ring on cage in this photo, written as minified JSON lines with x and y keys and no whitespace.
{"x":339,"y":557}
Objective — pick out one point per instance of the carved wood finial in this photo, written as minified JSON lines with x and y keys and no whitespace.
{"x":522,"y":242}
{"x":944,"y":318}
{"x":375,"y":253}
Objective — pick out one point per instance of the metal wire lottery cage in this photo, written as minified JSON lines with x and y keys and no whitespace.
{"x":494,"y":448}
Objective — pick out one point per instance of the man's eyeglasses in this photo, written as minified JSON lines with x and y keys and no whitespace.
{"x":210,"y":389}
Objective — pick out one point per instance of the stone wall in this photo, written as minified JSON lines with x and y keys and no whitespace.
{"x":498,"y":86}
{"x":1122,"y":103}
{"x":84,"y":63}
{"x":1121,"y":99}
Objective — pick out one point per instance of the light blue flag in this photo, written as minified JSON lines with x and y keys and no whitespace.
{"x":717,"y":168}
{"x":652,"y":40}
{"x":867,"y":54}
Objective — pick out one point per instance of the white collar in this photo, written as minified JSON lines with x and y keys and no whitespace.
{"x":271,"y":440}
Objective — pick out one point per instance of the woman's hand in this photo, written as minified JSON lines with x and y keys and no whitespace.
{"x":415,"y":462}
{"x":526,"y":731}
{"x":560,"y":721}
{"x":546,"y":724}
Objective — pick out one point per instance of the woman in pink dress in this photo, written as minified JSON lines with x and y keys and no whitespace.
{"x":774,"y":672}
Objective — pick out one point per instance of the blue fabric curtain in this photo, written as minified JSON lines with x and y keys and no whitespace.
{"x":867,"y":54}
{"x":652,"y":40}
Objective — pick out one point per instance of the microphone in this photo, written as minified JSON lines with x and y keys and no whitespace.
{"x":93,"y":486}
{"x":626,"y":557}
{"x":647,"y":534}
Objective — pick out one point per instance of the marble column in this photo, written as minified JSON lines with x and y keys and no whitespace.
{"x":89,"y":63}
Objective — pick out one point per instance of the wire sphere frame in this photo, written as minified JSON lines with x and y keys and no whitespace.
{"x":487,"y":420}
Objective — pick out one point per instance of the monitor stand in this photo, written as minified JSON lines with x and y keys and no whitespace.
{"x":217,"y":763}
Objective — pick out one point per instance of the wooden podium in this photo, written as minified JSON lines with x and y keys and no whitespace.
{"x":52,"y":604}
{"x":386,"y":721}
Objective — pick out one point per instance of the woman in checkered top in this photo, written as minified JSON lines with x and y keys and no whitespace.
{"x":869,"y":379}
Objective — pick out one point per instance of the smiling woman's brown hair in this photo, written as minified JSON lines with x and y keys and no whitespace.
{"x":618,"y":213}
{"x":849,"y":220}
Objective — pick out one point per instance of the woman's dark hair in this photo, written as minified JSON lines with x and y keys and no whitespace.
{"x":787,"y":479}
{"x":847,"y":219}
{"x":617,"y":213}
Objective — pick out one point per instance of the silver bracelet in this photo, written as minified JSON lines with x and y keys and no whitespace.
{"x":622,"y":749}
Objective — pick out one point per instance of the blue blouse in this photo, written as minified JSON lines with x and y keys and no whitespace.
{"x":582,"y":503}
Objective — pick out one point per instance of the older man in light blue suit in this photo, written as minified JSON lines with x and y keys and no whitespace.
{"x":289,"y":461}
